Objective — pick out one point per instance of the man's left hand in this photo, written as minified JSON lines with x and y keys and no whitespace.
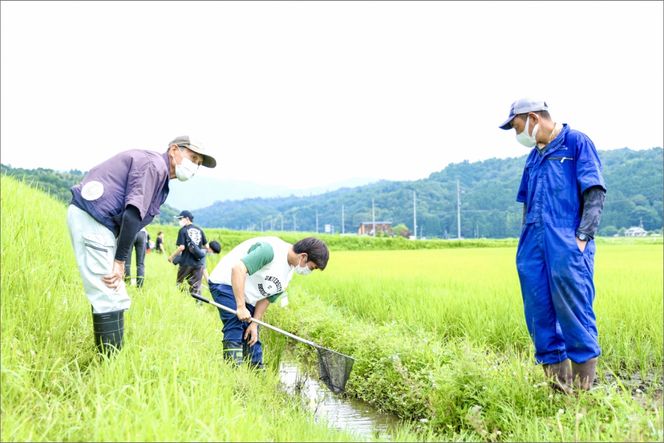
{"x":581,"y":244}
{"x":114,"y":279}
{"x":251,"y":334}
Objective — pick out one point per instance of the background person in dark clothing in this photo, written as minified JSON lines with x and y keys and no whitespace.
{"x":140,"y":245}
{"x":159,"y":243}
{"x":192,"y":247}
{"x":214,"y":247}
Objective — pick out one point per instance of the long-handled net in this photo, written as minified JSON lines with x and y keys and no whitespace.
{"x":334,"y":369}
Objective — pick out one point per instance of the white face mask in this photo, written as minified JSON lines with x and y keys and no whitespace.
{"x":302,"y":270}
{"x":182,"y":222}
{"x":528,"y":140}
{"x":185,"y":170}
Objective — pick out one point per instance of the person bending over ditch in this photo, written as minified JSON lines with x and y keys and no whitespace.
{"x":109,"y":206}
{"x":250,"y":277}
{"x":562,"y":191}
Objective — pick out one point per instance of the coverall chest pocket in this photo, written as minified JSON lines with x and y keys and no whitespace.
{"x":560,"y":172}
{"x":98,"y":254}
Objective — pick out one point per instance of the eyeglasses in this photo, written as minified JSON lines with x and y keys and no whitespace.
{"x":200,"y":160}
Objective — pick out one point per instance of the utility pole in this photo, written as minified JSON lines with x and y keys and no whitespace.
{"x":343,"y":230}
{"x":316,"y":221}
{"x":262,"y":226}
{"x":458,"y":211}
{"x":373,"y":217}
{"x":415,"y":215}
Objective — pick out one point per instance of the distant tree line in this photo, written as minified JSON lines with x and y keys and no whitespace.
{"x":487,"y":194}
{"x":58,"y":185}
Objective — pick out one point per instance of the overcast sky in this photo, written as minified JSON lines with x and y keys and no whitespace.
{"x":307,"y":93}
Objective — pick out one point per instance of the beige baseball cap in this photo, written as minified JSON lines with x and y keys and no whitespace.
{"x":197,"y":147}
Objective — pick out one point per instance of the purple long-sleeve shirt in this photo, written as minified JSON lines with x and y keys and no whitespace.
{"x":135,"y":177}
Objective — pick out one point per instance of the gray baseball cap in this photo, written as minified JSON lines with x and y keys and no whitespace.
{"x":197,"y":147}
{"x":523,"y":106}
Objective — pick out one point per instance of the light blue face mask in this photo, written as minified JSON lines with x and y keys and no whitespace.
{"x":528,"y":140}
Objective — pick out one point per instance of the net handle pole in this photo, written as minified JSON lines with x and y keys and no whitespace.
{"x":269,"y":326}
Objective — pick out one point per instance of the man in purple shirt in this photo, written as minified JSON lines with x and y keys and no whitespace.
{"x":113,"y":202}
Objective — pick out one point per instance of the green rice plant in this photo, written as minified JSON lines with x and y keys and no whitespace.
{"x":440,"y":339}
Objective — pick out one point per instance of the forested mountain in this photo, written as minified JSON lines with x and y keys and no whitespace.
{"x":487,"y":194}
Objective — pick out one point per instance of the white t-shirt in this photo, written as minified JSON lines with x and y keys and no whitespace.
{"x":266,"y":259}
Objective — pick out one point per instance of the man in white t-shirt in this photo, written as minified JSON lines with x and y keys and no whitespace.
{"x":250,"y":277}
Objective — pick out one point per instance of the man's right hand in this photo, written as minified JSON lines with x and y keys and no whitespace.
{"x":243,"y":314}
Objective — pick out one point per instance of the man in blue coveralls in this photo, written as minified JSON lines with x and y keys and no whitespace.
{"x":563,"y":191}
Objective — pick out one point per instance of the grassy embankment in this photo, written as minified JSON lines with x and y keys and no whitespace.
{"x":169,"y":383}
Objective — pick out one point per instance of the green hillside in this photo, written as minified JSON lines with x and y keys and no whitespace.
{"x":488,"y":207}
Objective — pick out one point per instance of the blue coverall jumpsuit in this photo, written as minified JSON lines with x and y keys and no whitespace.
{"x":556,"y":277}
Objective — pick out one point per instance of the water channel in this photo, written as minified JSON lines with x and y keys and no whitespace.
{"x":343,"y":413}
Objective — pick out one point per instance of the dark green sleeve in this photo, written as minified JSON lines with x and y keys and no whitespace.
{"x":275,"y":297}
{"x":259,"y":255}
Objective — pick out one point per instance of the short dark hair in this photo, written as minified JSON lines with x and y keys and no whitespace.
{"x":215,"y":246}
{"x":315,"y":249}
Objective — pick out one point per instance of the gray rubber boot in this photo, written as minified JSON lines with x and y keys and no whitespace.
{"x":109,"y":331}
{"x":584,"y":374}
{"x":560,"y":375}
{"x":233,"y":351}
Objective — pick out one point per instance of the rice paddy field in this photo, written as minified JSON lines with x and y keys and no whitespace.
{"x":437,"y":333}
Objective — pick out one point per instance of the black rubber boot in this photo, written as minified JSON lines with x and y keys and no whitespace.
{"x":109,"y":330}
{"x":247,"y":356}
{"x":233,"y":351}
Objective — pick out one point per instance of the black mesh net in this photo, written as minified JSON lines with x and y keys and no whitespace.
{"x":334,"y":369}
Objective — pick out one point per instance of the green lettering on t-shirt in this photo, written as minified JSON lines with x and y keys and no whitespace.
{"x":259,"y":255}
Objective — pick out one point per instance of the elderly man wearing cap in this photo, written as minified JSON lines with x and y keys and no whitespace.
{"x":109,"y":206}
{"x":191,"y":248}
{"x":562,"y":191}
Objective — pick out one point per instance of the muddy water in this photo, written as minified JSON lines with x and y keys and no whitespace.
{"x":341,"y":413}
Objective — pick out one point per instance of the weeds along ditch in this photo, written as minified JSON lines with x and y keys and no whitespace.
{"x":438,"y":336}
{"x":440,"y":340}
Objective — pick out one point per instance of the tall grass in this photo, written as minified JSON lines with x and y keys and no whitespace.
{"x":169,"y":383}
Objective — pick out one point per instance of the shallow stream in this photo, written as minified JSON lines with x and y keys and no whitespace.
{"x":339,"y":412}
